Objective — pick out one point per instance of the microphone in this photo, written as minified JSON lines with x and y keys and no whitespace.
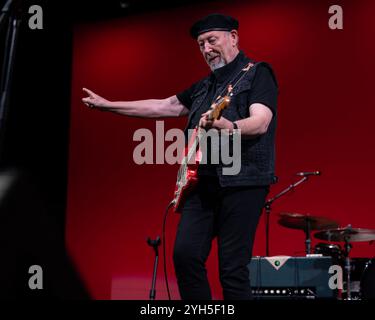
{"x":305,"y":174}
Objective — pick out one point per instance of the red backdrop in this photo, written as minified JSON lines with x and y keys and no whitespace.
{"x":326,"y":112}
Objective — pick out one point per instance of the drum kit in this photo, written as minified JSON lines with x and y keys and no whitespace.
{"x":328,"y":230}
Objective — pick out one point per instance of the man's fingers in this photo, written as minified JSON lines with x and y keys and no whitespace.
{"x":87,"y":100}
{"x":89,"y":92}
{"x":205,"y":124}
{"x":201,"y":123}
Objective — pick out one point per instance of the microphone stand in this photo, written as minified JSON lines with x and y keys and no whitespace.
{"x":154,"y":244}
{"x":268,"y":208}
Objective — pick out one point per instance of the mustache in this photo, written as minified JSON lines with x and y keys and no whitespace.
{"x":210,"y":57}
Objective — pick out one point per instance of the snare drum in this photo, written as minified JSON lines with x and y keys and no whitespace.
{"x":368,"y":280}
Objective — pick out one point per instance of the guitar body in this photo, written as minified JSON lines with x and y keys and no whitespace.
{"x":182,"y":190}
{"x":187,"y":173}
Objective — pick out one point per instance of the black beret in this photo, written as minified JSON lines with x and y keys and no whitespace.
{"x":213,"y":22}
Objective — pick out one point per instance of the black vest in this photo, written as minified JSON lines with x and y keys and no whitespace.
{"x":258,"y":154}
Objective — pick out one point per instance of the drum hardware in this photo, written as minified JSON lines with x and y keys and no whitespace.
{"x":329,"y":249}
{"x":362,"y":278}
{"x":307,"y":223}
{"x":347,"y":235}
{"x":367,"y":284}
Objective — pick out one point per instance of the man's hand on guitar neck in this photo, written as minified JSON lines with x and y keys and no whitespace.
{"x":221,"y":124}
{"x":256,"y":124}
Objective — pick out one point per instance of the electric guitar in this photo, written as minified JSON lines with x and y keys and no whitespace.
{"x":187,"y":176}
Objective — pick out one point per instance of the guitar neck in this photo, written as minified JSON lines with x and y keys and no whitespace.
{"x":215,"y":114}
{"x":195,"y":143}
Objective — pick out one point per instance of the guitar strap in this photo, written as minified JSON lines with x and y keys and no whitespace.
{"x":222,"y":92}
{"x":236,"y":79}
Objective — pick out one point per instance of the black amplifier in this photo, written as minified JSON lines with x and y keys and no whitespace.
{"x":284,"y":277}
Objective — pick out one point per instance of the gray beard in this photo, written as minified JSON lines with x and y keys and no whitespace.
{"x":218,"y":65}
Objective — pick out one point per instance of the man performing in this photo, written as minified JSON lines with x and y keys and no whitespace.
{"x":226,"y":207}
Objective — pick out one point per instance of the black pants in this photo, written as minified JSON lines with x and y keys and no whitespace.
{"x":231,"y":214}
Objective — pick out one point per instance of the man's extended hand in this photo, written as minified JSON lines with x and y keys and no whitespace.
{"x":223,"y":123}
{"x":94,"y":100}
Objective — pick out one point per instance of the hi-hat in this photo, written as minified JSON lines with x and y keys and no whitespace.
{"x":305,"y":221}
{"x":346,"y":235}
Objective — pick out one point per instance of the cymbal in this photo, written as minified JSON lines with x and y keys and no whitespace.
{"x":301,"y":221}
{"x":346,"y":234}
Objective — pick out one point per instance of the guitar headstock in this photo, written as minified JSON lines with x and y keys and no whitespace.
{"x":220,"y":104}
